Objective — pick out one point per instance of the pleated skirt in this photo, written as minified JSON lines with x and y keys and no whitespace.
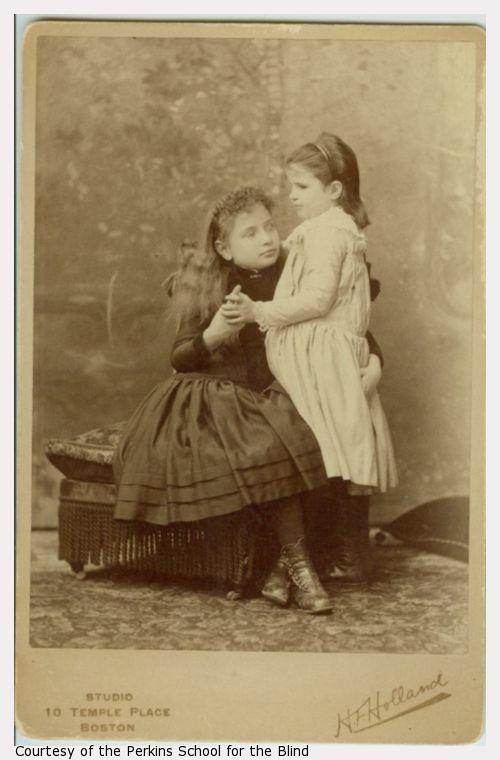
{"x":199,"y":446}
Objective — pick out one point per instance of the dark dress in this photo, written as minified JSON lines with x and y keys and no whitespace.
{"x":214,"y":437}
{"x":218,"y":435}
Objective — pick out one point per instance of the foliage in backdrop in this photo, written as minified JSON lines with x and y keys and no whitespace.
{"x":136,"y":138}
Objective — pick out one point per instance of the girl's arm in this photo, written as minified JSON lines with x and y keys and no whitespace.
{"x":323,"y":255}
{"x":370,"y":375}
{"x":194,"y":345}
{"x":324,"y":252}
{"x":374,"y":347}
{"x":189,"y":352}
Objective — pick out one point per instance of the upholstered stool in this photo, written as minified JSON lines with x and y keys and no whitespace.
{"x":222,"y":549}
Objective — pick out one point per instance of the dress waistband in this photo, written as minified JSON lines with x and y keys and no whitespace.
{"x":333,"y":325}
{"x":207,"y":376}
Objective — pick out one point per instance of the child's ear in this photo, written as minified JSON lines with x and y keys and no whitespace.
{"x":335,"y":189}
{"x":223,"y":250}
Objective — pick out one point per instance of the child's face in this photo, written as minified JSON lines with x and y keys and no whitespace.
{"x":308,"y":194}
{"x":253,"y":241}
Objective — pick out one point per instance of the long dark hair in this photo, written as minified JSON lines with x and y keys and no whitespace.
{"x":202,"y":283}
{"x":329,"y":158}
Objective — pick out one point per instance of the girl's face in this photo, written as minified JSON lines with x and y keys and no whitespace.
{"x":253,"y":241}
{"x":309,"y":196}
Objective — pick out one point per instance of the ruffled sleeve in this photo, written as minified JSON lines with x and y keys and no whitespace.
{"x":324,"y":251}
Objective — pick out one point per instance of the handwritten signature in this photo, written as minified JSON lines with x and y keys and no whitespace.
{"x":377,"y":709}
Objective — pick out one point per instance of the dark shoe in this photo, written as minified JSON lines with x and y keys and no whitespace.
{"x":307,"y":590}
{"x":277,"y":586}
{"x":352,"y":561}
{"x":346,"y":570}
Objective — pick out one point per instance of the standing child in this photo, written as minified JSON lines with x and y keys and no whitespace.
{"x":209,"y":440}
{"x":318,"y":319}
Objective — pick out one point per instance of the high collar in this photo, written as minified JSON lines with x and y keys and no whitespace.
{"x":257,"y":284}
{"x":244,"y":275}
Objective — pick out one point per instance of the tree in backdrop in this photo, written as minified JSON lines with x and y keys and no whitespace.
{"x":136,"y":138}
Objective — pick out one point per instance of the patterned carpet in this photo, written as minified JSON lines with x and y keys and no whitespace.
{"x":418,"y":603}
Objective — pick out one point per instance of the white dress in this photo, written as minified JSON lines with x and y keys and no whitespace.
{"x":316,"y":345}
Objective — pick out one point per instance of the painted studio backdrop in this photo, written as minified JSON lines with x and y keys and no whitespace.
{"x":136,"y":137}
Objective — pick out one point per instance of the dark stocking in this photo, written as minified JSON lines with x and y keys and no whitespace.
{"x":286,"y":520}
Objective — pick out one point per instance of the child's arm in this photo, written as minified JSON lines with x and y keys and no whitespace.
{"x":371,"y":374}
{"x":319,"y":282}
{"x":374,"y":347}
{"x":189,"y":352}
{"x":194,"y":345}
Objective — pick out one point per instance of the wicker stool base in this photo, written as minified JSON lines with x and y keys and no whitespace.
{"x":222,"y":549}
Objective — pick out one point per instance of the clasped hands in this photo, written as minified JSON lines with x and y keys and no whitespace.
{"x":227,"y":320}
{"x":239,"y":309}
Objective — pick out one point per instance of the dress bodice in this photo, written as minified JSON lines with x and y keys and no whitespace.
{"x":332,"y":245}
{"x":325,"y":278}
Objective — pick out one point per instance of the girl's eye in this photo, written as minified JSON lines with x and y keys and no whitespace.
{"x":270,"y":227}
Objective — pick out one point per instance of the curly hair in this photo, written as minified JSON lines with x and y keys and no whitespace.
{"x":202,"y":283}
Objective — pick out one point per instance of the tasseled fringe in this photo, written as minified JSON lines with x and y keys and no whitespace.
{"x":220,"y":548}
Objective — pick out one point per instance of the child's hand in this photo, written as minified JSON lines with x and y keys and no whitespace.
{"x":220,"y":329}
{"x":238,"y":307}
{"x":234,"y":295}
{"x":370,"y":375}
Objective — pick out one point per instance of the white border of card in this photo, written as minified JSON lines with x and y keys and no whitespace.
{"x":223,"y":696}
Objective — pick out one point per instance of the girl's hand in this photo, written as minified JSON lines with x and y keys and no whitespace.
{"x":239,"y":307}
{"x":370,"y":375}
{"x":234,"y":295}
{"x":219,"y":330}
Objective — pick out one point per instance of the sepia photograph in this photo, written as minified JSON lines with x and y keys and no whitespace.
{"x":252,"y":364}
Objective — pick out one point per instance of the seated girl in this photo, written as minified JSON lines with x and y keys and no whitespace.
{"x":219,"y":435}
